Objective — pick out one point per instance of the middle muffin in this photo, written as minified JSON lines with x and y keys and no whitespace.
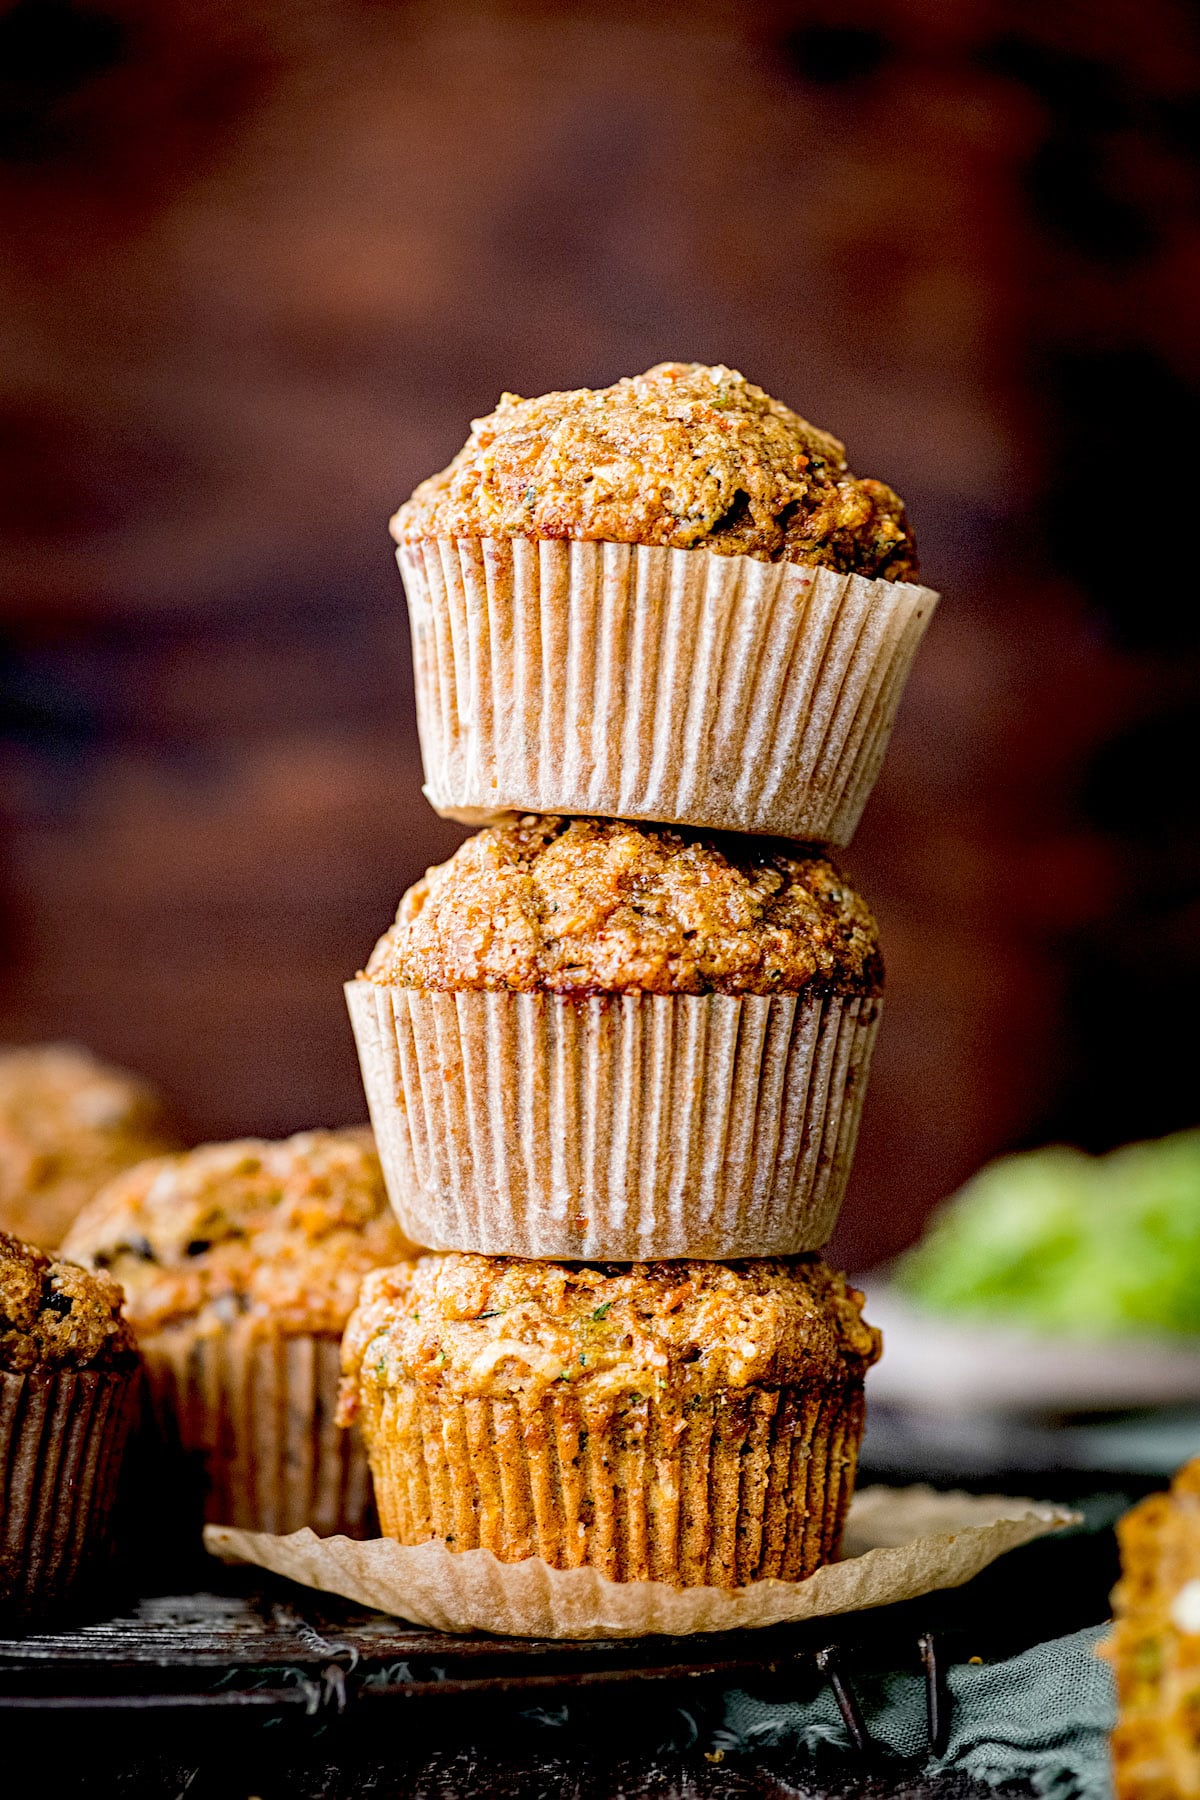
{"x":590,"y":1039}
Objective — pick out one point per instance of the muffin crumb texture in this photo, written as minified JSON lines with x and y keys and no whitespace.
{"x":593,"y":906}
{"x":281,"y":1230}
{"x":54,"y":1315}
{"x":500,"y":1327}
{"x":68,"y":1124}
{"x":686,"y":456}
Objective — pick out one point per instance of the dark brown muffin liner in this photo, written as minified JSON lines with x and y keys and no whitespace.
{"x":624,"y":1127}
{"x":256,"y":1407}
{"x":722,"y":1490}
{"x":63,"y":1435}
{"x":632,"y":682}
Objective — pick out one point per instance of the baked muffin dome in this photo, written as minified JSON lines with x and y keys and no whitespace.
{"x":586,"y":906}
{"x":499,"y":1327}
{"x":55,"y":1315}
{"x":68,"y":1124}
{"x":283,"y":1230}
{"x":687,"y":456}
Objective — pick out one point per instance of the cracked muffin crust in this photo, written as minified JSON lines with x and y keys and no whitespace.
{"x":283,"y":1230}
{"x":68,"y":1124}
{"x":586,"y":906}
{"x":501,"y":1326}
{"x":686,"y":455}
{"x":55,"y":1315}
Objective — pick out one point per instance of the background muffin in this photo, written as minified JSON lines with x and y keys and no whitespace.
{"x":68,"y":1123}
{"x":69,"y":1376}
{"x":589,"y":1038}
{"x":670,"y":600}
{"x":683,"y":1422}
{"x":242,"y":1263}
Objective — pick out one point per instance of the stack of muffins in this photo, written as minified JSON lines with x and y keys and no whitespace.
{"x":615,"y":1050}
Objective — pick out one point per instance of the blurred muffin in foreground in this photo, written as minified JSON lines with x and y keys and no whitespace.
{"x":68,"y":1124}
{"x":69,"y":1379}
{"x":689,"y":1422}
{"x":1155,"y":1645}
{"x":669,"y":599}
{"x":242,"y":1264}
{"x":595,"y":1039}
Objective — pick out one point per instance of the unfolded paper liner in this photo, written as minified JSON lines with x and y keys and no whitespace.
{"x":900,"y":1543}
{"x":63,"y":1436}
{"x":256,"y":1408}
{"x":620,"y":1127}
{"x":727,"y":1489}
{"x":634,"y":682}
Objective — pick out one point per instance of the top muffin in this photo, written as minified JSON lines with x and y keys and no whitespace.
{"x":68,"y":1123}
{"x":54,"y":1315}
{"x":686,"y":456}
{"x":281,"y":1229}
{"x":586,"y":906}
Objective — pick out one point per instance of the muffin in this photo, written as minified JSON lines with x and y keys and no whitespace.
{"x":68,"y":1124}
{"x":69,"y":1379}
{"x":242,"y":1263}
{"x":668,"y":599}
{"x":1155,"y":1645}
{"x":586,"y":1038}
{"x":687,"y":1422}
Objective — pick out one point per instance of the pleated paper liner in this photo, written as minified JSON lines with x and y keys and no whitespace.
{"x":255,"y":1408}
{"x":633,"y":682}
{"x":623,"y":1127}
{"x":63,"y":1436}
{"x":720,"y":1491}
{"x":900,"y":1543}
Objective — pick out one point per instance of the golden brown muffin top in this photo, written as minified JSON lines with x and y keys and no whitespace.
{"x":54,"y":1315}
{"x":588,"y":906}
{"x":68,"y":1123}
{"x":686,"y":456}
{"x":499,"y":1326}
{"x":280,"y":1230}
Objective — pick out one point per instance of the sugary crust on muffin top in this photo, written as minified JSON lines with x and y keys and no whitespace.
{"x":592,"y":906}
{"x":54,"y":1315}
{"x":68,"y":1123}
{"x":499,"y":1327}
{"x":284,"y":1231}
{"x":687,"y":456}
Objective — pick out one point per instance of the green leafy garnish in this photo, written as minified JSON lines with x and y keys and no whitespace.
{"x":1069,"y":1243}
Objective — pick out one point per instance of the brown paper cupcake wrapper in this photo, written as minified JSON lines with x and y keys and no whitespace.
{"x":62,"y":1439}
{"x":623,"y":1127}
{"x":633,"y":682}
{"x":726,"y":1490}
{"x":256,"y":1407}
{"x":899,"y":1543}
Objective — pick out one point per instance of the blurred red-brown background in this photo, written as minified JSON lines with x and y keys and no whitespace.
{"x":262,"y":264}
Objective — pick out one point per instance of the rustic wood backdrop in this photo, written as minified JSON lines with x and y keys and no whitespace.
{"x":262,"y":263}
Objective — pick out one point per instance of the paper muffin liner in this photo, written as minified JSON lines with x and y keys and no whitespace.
{"x":729,"y":1488}
{"x":899,"y":1543}
{"x":63,"y":1436}
{"x":621,"y":1127}
{"x":256,"y":1408}
{"x":634,"y":682}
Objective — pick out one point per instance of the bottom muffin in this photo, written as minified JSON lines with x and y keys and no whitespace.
{"x":694,"y":1423}
{"x":69,"y":1394}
